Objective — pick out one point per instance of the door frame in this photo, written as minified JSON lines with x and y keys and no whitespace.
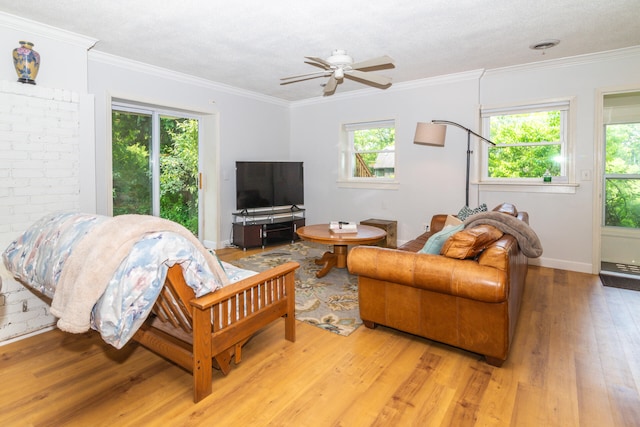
{"x":598,"y":175}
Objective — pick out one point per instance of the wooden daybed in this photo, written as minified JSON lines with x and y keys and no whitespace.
{"x":194,"y":332}
{"x":145,"y":288}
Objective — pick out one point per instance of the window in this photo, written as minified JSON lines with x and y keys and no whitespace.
{"x":622,"y":160}
{"x":368,"y":152}
{"x":530,"y":140}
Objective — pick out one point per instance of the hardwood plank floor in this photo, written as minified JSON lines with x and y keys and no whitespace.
{"x":575,"y":361}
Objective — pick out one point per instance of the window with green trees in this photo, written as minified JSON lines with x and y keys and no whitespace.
{"x":530,"y":141}
{"x":622,"y":175}
{"x":155,"y":172}
{"x":369,"y":151}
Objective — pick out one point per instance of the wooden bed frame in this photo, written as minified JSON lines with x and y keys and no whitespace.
{"x":197,"y":333}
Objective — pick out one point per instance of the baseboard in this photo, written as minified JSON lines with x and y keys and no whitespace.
{"x":210,"y":244}
{"x":561,"y":264}
{"x":30,"y":334}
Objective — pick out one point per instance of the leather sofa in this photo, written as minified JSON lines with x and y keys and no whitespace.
{"x":468,"y":303}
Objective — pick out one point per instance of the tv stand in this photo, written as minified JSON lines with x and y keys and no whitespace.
{"x":266,"y":227}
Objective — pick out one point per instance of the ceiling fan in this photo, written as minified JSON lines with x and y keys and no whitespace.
{"x":340,"y":65}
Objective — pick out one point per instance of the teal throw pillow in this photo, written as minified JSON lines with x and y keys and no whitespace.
{"x":466,"y":211}
{"x":435,"y":242}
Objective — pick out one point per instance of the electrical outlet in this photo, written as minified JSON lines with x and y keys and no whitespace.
{"x":25,"y":306}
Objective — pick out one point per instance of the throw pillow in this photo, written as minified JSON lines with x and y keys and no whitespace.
{"x":466,"y":211}
{"x":470,"y":242}
{"x":452,"y":220}
{"x":435,"y":242}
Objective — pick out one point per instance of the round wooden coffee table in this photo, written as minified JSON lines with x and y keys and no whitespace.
{"x":338,"y":258}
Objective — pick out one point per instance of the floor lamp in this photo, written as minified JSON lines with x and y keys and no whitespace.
{"x":434,"y":133}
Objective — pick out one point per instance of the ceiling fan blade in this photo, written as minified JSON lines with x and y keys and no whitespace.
{"x":375,"y":62}
{"x":307,"y":75}
{"x":321,"y":61}
{"x":331,"y":85}
{"x":368,"y":77}
{"x":301,"y":79}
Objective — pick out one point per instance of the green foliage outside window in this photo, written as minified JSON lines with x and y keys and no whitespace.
{"x":132,"y":174}
{"x":528,"y":144}
{"x":374,"y":152}
{"x":131,"y":145}
{"x":622,"y":175}
{"x":179,"y":171}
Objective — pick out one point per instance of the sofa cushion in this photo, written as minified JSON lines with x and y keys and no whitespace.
{"x":466,"y":211}
{"x":435,"y":242}
{"x":470,"y":242}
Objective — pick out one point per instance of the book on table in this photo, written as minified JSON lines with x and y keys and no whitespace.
{"x":343,"y":227}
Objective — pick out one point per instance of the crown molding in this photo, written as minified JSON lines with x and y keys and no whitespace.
{"x":443,"y":79}
{"x":141,"y":67}
{"x":43,"y":30}
{"x":396,"y":87}
{"x":571,"y":61}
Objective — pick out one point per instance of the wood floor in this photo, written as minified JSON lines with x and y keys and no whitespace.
{"x":575,"y":361}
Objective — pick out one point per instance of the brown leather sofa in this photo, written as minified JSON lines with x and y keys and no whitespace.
{"x":468,"y":303}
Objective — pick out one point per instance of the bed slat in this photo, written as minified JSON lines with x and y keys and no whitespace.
{"x":192,"y":332}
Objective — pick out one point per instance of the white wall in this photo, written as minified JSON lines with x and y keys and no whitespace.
{"x":432,"y":179}
{"x":44,"y":151}
{"x":240,"y":126}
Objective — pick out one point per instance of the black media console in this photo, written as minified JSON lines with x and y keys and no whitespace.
{"x":265,"y":227}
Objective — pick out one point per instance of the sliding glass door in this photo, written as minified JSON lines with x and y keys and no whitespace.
{"x":155,"y":164}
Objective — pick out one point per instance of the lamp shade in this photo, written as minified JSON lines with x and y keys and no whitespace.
{"x":430,"y":134}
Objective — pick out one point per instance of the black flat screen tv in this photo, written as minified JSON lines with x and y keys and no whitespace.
{"x":268,"y":184}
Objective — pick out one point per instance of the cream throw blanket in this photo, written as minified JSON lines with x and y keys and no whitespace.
{"x":95,"y":258}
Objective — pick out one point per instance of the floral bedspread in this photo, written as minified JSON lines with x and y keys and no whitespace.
{"x":37,"y":258}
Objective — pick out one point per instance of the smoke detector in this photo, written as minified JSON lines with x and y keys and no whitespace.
{"x":544,"y":45}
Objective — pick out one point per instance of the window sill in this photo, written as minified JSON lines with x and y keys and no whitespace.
{"x":625,"y":232}
{"x":533,"y":187}
{"x":370,"y":185}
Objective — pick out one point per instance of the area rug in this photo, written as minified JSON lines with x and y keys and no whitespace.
{"x":330,"y":302}
{"x":623,"y":276}
{"x":620,"y":282}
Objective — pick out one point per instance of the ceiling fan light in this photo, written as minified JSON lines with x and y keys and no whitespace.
{"x":340,"y":57}
{"x":339,"y":74}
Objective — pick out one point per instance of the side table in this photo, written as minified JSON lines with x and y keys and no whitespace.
{"x":391,"y":227}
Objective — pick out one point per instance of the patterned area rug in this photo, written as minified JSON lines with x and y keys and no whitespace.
{"x":330,"y":302}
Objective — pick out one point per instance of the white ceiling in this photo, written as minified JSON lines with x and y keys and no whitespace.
{"x":251,"y":44}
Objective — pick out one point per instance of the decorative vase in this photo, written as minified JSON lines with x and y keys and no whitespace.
{"x":27,"y":62}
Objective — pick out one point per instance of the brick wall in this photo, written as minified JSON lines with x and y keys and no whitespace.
{"x":39,"y":173}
